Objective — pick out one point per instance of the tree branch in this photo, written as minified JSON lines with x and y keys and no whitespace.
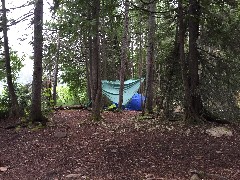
{"x":24,"y":5}
{"x":20,"y":19}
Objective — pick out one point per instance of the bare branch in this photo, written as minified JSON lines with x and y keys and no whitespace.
{"x":22,"y":18}
{"x":24,"y":5}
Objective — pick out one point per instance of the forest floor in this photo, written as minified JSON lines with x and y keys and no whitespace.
{"x":122,"y":146}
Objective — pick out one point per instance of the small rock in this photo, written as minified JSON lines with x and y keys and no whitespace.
{"x":219,"y":131}
{"x":195,"y":177}
{"x":3,"y":169}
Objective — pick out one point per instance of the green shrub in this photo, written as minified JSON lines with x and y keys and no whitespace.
{"x":67,"y":97}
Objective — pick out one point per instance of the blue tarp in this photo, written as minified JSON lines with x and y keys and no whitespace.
{"x":111,"y":89}
{"x":135,"y":102}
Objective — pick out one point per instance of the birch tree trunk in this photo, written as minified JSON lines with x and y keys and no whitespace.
{"x":150,"y":57}
{"x":14,"y":111}
{"x":36,"y":110}
{"x":124,"y":53}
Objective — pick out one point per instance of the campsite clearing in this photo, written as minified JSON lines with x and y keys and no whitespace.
{"x":121,"y":146}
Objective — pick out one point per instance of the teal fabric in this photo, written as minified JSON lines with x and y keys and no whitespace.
{"x":111,"y":89}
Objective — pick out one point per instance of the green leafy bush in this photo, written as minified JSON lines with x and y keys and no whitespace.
{"x":68,"y":97}
{"x":4,"y":104}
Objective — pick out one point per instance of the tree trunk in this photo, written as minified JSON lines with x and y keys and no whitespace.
{"x":14,"y":111}
{"x":96,"y":72}
{"x":56,"y":71}
{"x":124,"y":53}
{"x":140,"y":61}
{"x":194,"y":11}
{"x":104,"y":56}
{"x":132,"y":68}
{"x":184,"y":68}
{"x":150,"y":57}
{"x":36,"y":111}
{"x":192,"y":98}
{"x":90,"y":62}
{"x":104,"y":47}
{"x":88,"y":66}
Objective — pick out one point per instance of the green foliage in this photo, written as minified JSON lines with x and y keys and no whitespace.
{"x":24,"y":98}
{"x":24,"y":94}
{"x":4,"y":104}
{"x":16,"y":65}
{"x":47,"y":101}
{"x":68,"y":97}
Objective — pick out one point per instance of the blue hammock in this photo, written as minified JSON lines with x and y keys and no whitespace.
{"x":111,"y":89}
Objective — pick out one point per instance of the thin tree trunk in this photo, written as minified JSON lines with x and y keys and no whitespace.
{"x":90,"y":43}
{"x":150,"y":57}
{"x":56,"y":71}
{"x":87,"y":64}
{"x":132,"y":68}
{"x":36,"y":110}
{"x":140,"y":62}
{"x":96,"y":72}
{"x":90,"y":61}
{"x":14,"y":111}
{"x":104,"y":48}
{"x":183,"y":62}
{"x":104,"y":57}
{"x":124,"y":53}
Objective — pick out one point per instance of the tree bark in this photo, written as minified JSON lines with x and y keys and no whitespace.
{"x":56,"y":69}
{"x":124,"y":53}
{"x":104,"y":56}
{"x":14,"y":111}
{"x":150,"y":57}
{"x":140,"y":61}
{"x":184,"y":68}
{"x":36,"y":110}
{"x":88,"y":66}
{"x":194,"y":18}
{"x":96,"y":72}
{"x":89,"y":62}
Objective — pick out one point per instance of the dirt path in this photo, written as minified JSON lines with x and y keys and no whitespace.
{"x":120,"y":147}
